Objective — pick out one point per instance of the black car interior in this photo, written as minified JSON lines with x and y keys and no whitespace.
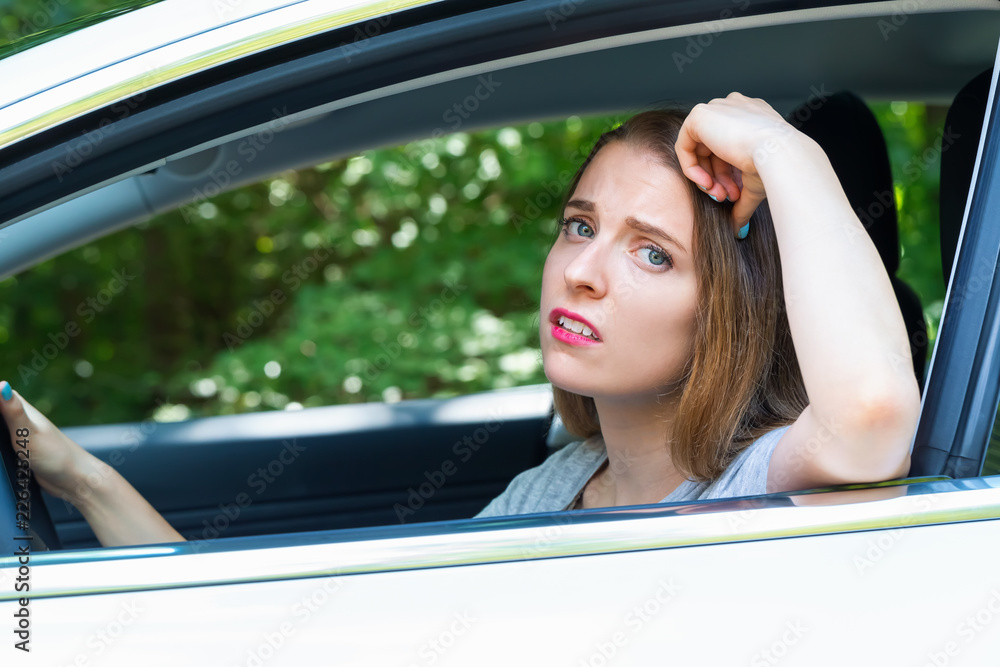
{"x":965,"y":121}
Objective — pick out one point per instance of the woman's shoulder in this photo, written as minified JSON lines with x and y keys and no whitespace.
{"x":548,"y":487}
{"x":747,"y":474}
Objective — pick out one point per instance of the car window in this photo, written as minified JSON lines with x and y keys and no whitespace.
{"x":915,"y":136}
{"x":407,"y":272}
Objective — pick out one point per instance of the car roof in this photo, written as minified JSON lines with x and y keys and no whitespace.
{"x":172,"y":39}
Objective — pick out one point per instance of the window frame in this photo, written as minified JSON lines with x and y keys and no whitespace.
{"x":959,"y":406}
{"x":173,"y":99}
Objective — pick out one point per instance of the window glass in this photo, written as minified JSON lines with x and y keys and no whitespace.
{"x":914,"y":132}
{"x":991,"y":466}
{"x":409,"y":272}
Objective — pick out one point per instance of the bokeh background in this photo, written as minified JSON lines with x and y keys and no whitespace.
{"x":409,"y":272}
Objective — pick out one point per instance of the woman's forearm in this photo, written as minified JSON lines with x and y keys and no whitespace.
{"x":117,"y":513}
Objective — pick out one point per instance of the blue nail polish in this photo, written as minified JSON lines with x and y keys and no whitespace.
{"x":712,"y":196}
{"x":6,"y":391}
{"x":744,"y":230}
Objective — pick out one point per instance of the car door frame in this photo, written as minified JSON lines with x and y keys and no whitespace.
{"x":139,"y":126}
{"x":959,"y":407}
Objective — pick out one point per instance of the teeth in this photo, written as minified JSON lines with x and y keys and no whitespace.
{"x":571,"y":325}
{"x":576,"y":327}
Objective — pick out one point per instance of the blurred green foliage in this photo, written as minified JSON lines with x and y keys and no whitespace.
{"x":26,"y":23}
{"x":913,"y":134}
{"x":401,"y":273}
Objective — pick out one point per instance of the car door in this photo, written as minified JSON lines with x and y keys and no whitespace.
{"x":818,"y":579}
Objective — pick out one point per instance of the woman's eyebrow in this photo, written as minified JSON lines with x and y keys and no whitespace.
{"x":650,"y":230}
{"x":634,"y":223}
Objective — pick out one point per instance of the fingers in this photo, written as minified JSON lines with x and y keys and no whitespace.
{"x":690,"y":153}
{"x":714,"y":176}
{"x":744,"y":208}
{"x":707,"y":163}
{"x":716,"y":169}
{"x":19,"y":413}
{"x":738,"y":177}
{"x":11,"y":404}
{"x":723,"y":172}
{"x":727,"y":183}
{"x":717,"y":178}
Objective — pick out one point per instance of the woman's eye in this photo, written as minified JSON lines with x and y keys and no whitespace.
{"x":657,"y":256}
{"x":575,"y":225}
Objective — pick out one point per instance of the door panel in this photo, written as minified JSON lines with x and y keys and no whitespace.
{"x":322,"y":468}
{"x":806,"y":600}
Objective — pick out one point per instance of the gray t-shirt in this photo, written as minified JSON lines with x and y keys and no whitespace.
{"x":555,"y":484}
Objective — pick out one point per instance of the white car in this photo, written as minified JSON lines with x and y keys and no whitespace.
{"x":342,"y":534}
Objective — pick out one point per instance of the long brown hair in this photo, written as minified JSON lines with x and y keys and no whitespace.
{"x":743,"y":378}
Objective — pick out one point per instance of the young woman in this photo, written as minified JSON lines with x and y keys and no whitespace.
{"x":680,"y":369}
{"x":667,"y":334}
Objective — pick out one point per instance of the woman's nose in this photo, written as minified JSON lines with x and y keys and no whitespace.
{"x":588,"y":269}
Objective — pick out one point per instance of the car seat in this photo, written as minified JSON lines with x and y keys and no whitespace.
{"x":965,"y":121}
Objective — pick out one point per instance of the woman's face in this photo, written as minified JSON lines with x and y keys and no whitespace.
{"x":622,"y":263}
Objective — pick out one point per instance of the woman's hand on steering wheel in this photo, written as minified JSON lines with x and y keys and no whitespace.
{"x":58,"y":463}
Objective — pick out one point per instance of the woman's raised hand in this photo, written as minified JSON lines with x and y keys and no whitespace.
{"x":723,"y":144}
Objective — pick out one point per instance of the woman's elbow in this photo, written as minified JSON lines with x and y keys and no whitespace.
{"x":883,"y":422}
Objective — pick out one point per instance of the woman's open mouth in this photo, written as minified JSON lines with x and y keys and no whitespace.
{"x":572,"y":328}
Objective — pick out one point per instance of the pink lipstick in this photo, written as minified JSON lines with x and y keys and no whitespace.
{"x":563,"y":332}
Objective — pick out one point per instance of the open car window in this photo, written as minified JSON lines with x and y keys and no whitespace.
{"x":402,"y":273}
{"x":404,"y":276}
{"x":394,"y":275}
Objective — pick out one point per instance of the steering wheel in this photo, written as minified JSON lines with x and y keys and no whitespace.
{"x":38,"y":526}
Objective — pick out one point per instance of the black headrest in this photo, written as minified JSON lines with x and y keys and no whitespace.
{"x":963,"y":124}
{"x":847,"y":131}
